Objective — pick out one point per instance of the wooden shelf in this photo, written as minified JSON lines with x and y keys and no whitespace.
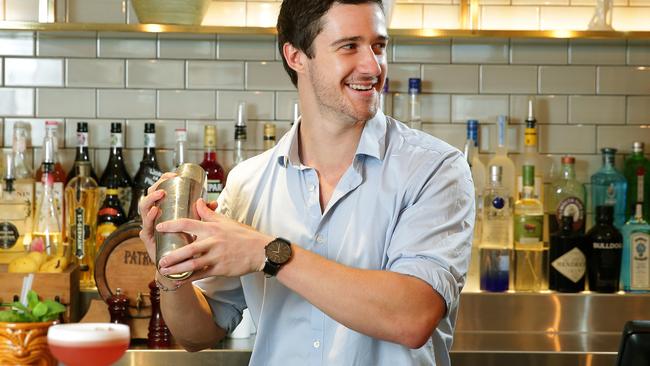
{"x":397,"y":33}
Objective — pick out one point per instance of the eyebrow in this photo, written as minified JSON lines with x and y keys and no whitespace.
{"x":354,"y":39}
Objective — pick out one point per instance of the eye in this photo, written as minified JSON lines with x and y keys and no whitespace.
{"x":349,"y":46}
{"x":379,"y":47}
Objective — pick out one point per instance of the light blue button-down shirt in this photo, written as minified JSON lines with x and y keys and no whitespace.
{"x":406,"y":204}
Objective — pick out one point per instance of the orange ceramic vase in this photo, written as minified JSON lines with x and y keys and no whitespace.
{"x":25,"y":344}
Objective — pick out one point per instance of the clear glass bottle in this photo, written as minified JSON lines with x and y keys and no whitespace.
{"x":82,"y":199}
{"x":385,"y":100}
{"x":501,"y":158}
{"x":148,"y":173}
{"x":608,"y":188}
{"x":239,"y":152}
{"x":214,"y":170}
{"x":115,"y":172}
{"x":567,"y":198}
{"x":82,"y":154}
{"x":47,"y":223}
{"x":51,"y":132}
{"x":495,"y":249}
{"x":605,"y":246}
{"x":637,"y":174}
{"x":531,"y":256}
{"x":57,"y":174}
{"x":567,"y":258}
{"x":635,"y":267}
{"x":478,"y":176}
{"x":180,"y":152}
{"x":531,"y":155}
{"x":414,"y":106}
{"x":23,"y":175}
{"x":269,"y":135}
{"x":15,"y":216}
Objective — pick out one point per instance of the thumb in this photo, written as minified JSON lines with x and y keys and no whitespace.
{"x":204,"y":211}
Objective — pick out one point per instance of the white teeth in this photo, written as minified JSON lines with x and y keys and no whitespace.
{"x":360,"y":87}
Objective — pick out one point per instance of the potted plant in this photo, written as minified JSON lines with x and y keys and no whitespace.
{"x":23,"y":331}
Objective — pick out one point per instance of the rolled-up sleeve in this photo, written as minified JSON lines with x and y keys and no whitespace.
{"x":224,"y":294}
{"x":433,"y":234}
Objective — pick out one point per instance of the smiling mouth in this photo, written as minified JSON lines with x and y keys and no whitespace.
{"x":361,"y":87}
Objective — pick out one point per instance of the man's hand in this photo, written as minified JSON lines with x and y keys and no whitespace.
{"x":223,"y":247}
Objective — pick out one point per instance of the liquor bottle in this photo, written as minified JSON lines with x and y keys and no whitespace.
{"x":82,"y":152}
{"x":604,"y":244}
{"x":478,"y":176}
{"x":567,"y":258}
{"x":47,"y":223}
{"x":214,"y":170}
{"x":23,"y":175}
{"x":531,"y":155}
{"x":567,"y":198}
{"x":531,"y":263}
{"x":414,"y":107}
{"x":57,"y":174}
{"x":608,"y":188}
{"x":239,"y":153}
{"x":635,"y":267}
{"x":269,"y":135}
{"x":501,"y":157}
{"x":149,"y":171}
{"x":110,"y":216}
{"x":81,"y":198}
{"x":496,"y":239}
{"x":115,"y":172}
{"x":15,"y":215}
{"x":385,"y":101}
{"x":637,"y":173}
{"x":180,"y":152}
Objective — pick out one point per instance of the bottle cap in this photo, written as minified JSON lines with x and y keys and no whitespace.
{"x":472,"y":129}
{"x":608,"y":150}
{"x":210,"y":136}
{"x":531,"y":112}
{"x":240,"y":117}
{"x":415,"y":85}
{"x":82,"y":127}
{"x":495,"y":173}
{"x":638,"y":147}
{"x":568,"y":160}
{"x":181,"y":134}
{"x":269,"y":130}
{"x":605,"y":213}
{"x":116,"y":127}
{"x":149,"y":127}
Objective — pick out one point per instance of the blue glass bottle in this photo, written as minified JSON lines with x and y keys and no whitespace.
{"x":635,"y":267}
{"x":608,"y":188}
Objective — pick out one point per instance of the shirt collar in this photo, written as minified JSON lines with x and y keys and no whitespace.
{"x":372,"y":142}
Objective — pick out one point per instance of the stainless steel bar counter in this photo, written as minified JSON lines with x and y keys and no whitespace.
{"x":492,"y":329}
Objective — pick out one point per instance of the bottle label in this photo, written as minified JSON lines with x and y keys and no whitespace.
{"x":116,"y":140}
{"x":571,"y":264}
{"x":104,"y":230}
{"x":571,"y":206}
{"x":151,"y":176}
{"x":640,"y":268}
{"x":124,"y":194}
{"x":640,"y":184}
{"x":150,"y":140}
{"x":80,"y":232}
{"x":530,"y":137}
{"x":82,"y":139}
{"x":8,"y":235}
{"x":607,"y":246}
{"x":528,"y":229}
{"x":215,"y":186}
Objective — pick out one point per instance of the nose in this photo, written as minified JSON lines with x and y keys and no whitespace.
{"x":370,"y":62}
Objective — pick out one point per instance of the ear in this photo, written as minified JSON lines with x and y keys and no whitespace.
{"x":295,"y":58}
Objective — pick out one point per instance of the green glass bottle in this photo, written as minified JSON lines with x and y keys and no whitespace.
{"x":637,"y":174}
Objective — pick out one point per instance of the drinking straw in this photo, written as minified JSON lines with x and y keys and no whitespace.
{"x":27,"y":286}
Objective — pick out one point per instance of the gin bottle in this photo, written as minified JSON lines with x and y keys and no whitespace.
{"x":635,"y":267}
{"x":415,"y":112}
{"x":496,"y":239}
{"x":567,"y":258}
{"x":501,"y":157}
{"x":531,"y":260}
{"x":567,"y":198}
{"x":47,"y":223}
{"x":637,"y":174}
{"x":478,"y":176}
{"x":604,"y":244}
{"x":608,"y":188}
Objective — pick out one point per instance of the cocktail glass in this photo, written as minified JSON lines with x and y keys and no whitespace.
{"x":78,"y":344}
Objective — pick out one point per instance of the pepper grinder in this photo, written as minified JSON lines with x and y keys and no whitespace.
{"x":118,"y":307}
{"x":159,"y":335}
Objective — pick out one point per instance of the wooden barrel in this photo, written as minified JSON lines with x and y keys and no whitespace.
{"x":123,"y":262}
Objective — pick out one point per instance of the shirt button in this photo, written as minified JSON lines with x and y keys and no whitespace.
{"x":320,"y":239}
{"x":311,"y":187}
{"x":316,"y":344}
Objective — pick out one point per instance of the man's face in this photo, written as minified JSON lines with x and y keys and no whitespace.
{"x":348,"y":69}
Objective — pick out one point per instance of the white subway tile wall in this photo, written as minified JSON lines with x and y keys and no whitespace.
{"x":599,"y":96}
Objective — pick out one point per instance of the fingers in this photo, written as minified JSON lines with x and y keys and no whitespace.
{"x":145,"y":205}
{"x":204,"y":211}
{"x":189,"y":226}
{"x":187,"y":258}
{"x":163,"y":178}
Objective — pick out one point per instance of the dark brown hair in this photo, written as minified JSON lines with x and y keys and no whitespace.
{"x":299,"y":22}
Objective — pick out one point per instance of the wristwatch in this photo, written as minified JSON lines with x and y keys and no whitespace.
{"x":278,"y":252}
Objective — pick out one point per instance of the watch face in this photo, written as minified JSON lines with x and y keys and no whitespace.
{"x":278,"y":252}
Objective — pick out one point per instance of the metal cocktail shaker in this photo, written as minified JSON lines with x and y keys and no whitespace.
{"x":182,"y":192}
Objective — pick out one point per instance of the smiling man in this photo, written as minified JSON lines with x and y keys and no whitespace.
{"x":349,"y":241}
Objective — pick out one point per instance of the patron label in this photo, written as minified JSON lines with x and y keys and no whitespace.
{"x":640,"y":268}
{"x":215,"y":187}
{"x":572,"y":264}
